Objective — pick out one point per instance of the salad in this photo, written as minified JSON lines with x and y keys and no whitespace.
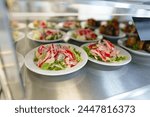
{"x":43,"y":24}
{"x":17,"y":35}
{"x":104,"y":51}
{"x":14,"y":24}
{"x":71,"y":24}
{"x":46,"y":34}
{"x":56,"y":57}
{"x":84,"y":34}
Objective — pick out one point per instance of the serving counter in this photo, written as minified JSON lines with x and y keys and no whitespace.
{"x":90,"y":82}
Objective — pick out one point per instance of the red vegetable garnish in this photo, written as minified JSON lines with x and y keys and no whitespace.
{"x":104,"y":49}
{"x":88,"y":33}
{"x":43,"y":24}
{"x":40,"y":49}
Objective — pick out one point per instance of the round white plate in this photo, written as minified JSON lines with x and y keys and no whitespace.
{"x":84,"y":24}
{"x":21,"y":35}
{"x":121,"y":35}
{"x":115,"y":64}
{"x":20,"y":26}
{"x":29,"y":36}
{"x":32,"y":66}
{"x":60,"y":26}
{"x":31,"y":26}
{"x":85,"y":41}
{"x":121,"y":42}
{"x":20,"y":60}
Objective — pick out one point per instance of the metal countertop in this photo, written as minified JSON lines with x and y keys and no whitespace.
{"x":87,"y":83}
{"x":91,"y":82}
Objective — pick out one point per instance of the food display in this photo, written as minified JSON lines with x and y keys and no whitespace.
{"x":129,"y":28}
{"x":46,"y":34}
{"x":56,"y":57}
{"x":70,"y":25}
{"x":135,"y":43}
{"x":17,"y":35}
{"x":84,"y":34}
{"x":104,"y":51}
{"x":15,"y":25}
{"x":90,"y":23}
{"x":110,"y":28}
{"x":41,"y":24}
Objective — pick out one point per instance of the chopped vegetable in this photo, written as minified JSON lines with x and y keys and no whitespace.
{"x":71,"y":24}
{"x":56,"y":57}
{"x":43,"y":24}
{"x":46,"y":34}
{"x":84,"y":34}
{"x":104,"y":51}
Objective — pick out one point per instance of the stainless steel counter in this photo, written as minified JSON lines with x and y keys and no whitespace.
{"x":91,"y":82}
{"x":88,"y":83}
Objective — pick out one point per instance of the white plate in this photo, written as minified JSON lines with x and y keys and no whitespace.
{"x":29,"y":36}
{"x":121,"y":35}
{"x":60,"y":26}
{"x":32,"y":66}
{"x":85,"y":41}
{"x":115,"y":64}
{"x":84,"y":24}
{"x":20,"y":26}
{"x":20,"y":60}
{"x":21,"y":35}
{"x":121,"y":42}
{"x":31,"y":26}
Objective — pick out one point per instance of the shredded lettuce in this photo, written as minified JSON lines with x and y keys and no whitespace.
{"x":115,"y":59}
{"x":88,"y":52}
{"x":45,"y":66}
{"x":56,"y":64}
{"x":77,"y":54}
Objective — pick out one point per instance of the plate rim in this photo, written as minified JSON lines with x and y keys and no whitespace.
{"x":20,"y":38}
{"x":23,"y":26}
{"x":120,"y":43}
{"x":46,"y":41}
{"x":21,"y":61}
{"x":79,"y":66}
{"x":30,"y":26}
{"x":62,"y":28}
{"x":84,"y":41}
{"x":113,"y":37}
{"x":115,"y":64}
